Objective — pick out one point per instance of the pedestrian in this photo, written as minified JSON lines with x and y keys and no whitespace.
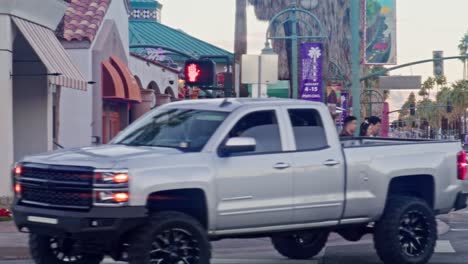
{"x":370,"y":127}
{"x":349,"y":126}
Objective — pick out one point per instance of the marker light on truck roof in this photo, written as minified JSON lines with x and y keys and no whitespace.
{"x":462,"y":165}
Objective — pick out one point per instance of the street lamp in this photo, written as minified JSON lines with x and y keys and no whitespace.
{"x":309,"y":4}
{"x":295,"y":37}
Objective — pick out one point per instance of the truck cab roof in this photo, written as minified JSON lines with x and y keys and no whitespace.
{"x":231,"y":104}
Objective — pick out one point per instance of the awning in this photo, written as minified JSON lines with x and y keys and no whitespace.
{"x":112,"y":85}
{"x":132,"y":89}
{"x":52,"y":54}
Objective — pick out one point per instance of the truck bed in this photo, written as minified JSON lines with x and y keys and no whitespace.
{"x":373,"y":162}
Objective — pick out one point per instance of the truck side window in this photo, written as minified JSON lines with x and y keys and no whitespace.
{"x":308,"y":129}
{"x":263,"y":127}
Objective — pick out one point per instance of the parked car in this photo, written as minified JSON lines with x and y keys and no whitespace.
{"x":191,"y":172}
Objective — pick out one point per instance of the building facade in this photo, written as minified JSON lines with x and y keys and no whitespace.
{"x":33,"y":67}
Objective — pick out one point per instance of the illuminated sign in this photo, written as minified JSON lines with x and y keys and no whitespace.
{"x":200,"y":72}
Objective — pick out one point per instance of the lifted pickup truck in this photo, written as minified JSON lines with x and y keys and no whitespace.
{"x":191,"y":172}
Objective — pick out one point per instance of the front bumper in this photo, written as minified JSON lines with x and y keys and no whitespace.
{"x":98,"y":223}
{"x":461,"y":201}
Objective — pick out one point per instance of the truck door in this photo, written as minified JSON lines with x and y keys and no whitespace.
{"x":254,"y":189}
{"x":317,"y":165}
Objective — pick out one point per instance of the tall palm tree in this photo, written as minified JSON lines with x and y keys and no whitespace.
{"x":240,"y":38}
{"x":463,"y":48}
{"x":335,"y":17}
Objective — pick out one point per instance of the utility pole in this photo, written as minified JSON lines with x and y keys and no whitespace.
{"x":356,"y":59}
{"x":240,"y":45}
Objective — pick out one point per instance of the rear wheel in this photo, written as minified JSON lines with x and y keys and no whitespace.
{"x":407,"y":232}
{"x":304,"y":245}
{"x":53,"y":250}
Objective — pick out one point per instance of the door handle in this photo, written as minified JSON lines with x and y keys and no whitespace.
{"x":331,"y":163}
{"x":281,"y":166}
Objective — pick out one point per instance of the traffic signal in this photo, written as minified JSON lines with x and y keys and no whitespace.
{"x":449,"y":107}
{"x":412,"y":110}
{"x":200,"y":72}
{"x":438,"y":63}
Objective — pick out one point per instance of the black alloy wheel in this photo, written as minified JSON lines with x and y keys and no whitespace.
{"x":54,"y":250}
{"x":170,"y":238}
{"x":304,"y":245}
{"x":414,"y":233}
{"x":174,"y":246}
{"x":407,"y":231}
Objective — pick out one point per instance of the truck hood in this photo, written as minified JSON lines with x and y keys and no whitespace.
{"x":105,"y":156}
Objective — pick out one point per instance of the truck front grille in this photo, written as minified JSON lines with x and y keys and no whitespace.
{"x":72,"y":199}
{"x":84,"y":177}
{"x":57,"y":186}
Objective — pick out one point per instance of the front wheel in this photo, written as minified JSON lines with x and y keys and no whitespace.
{"x":407,"y":232}
{"x":53,"y":250}
{"x":304,"y":245}
{"x":170,"y":238}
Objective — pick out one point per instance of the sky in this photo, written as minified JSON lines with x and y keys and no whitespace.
{"x":422,"y":27}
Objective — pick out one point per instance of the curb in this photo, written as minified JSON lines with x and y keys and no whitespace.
{"x":442,"y":227}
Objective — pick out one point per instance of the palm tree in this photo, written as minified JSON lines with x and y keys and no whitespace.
{"x":240,"y":38}
{"x":463,"y":48}
{"x":335,"y":17}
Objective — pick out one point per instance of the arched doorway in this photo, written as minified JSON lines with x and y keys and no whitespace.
{"x":138,"y":81}
{"x":170,"y":92}
{"x":154,"y":86}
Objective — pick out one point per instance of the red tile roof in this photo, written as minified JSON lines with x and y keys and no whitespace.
{"x":82,"y":19}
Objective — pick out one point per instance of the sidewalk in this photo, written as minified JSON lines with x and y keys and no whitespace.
{"x":14,"y":245}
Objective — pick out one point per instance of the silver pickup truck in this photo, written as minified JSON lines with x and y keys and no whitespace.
{"x":192,"y":172}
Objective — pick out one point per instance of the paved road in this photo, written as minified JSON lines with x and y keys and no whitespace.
{"x":451,"y":249}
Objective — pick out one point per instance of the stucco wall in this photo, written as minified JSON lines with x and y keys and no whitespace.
{"x":148,"y":73}
{"x":75,"y":128}
{"x":78,"y":108}
{"x":6,"y":103}
{"x":31,"y":120}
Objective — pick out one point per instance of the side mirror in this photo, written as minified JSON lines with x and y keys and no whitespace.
{"x":238,"y":145}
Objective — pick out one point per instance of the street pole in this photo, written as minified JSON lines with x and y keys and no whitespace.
{"x":294,"y":54}
{"x":355,"y":58}
{"x":259,"y":91}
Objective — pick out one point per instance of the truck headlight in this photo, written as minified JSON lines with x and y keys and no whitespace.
{"x":108,"y":197}
{"x":111,"y":187}
{"x":111,"y":178}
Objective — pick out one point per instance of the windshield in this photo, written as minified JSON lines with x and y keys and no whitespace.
{"x":185,"y":129}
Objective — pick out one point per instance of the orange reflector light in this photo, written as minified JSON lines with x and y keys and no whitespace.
{"x":18,"y":170}
{"x":121,"y":197}
{"x":17,"y":188}
{"x":121,"y":178}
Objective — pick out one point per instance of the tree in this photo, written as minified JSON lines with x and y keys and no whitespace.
{"x":463,"y":48}
{"x":405,"y":112}
{"x":426,"y":87}
{"x":240,"y":38}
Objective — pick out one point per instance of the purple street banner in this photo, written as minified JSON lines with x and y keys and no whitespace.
{"x":380,"y":32}
{"x":344,"y":106}
{"x":311,"y":88}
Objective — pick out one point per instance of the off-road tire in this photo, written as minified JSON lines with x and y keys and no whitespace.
{"x":141,"y":242}
{"x":291,"y":247}
{"x":390,"y":234}
{"x":42,"y":252}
